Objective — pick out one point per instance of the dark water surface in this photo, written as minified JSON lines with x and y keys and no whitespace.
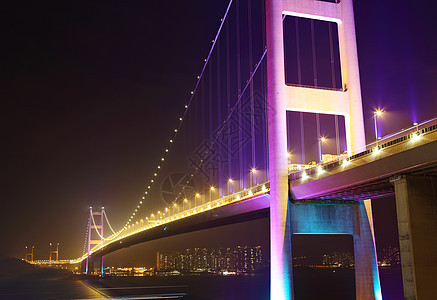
{"x":28,"y":282}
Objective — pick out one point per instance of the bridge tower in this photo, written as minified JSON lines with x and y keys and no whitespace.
{"x":29,"y":254}
{"x":97,"y":228}
{"x":345,"y":102}
{"x":56,"y":252}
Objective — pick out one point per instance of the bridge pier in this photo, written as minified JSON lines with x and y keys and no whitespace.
{"x":353,"y":219}
{"x":416,"y":206}
{"x":90,"y":265}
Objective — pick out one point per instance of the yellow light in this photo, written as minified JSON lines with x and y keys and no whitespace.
{"x":166,"y":209}
{"x":320,"y":170}
{"x":212,"y":188}
{"x":304,"y":175}
{"x":185,"y":200}
{"x":323,"y":139}
{"x":253,"y":170}
{"x":288,"y":154}
{"x":197,"y":195}
{"x":175,"y":205}
{"x":376,"y":150}
{"x":230,"y":180}
{"x":415,"y":137}
{"x":378,"y":112}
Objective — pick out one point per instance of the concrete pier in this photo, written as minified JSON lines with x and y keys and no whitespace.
{"x":344,"y":219}
{"x":416,"y":206}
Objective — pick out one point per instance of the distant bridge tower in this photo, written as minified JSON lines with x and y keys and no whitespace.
{"x":345,"y":102}
{"x":97,"y":228}
{"x":56,"y":252}
{"x":29,"y":254}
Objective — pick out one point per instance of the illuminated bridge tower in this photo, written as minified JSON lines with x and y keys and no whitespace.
{"x":287,"y":218}
{"x":95,"y":237}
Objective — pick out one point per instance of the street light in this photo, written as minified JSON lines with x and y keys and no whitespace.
{"x":321,"y":140}
{"x":211,"y":189}
{"x":230,"y":181}
{"x":376,"y":114}
{"x":197,"y":196}
{"x":252,"y":173}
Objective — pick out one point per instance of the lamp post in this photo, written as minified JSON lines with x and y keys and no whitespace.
{"x":197,"y":196}
{"x":230,"y":181}
{"x":376,"y":114}
{"x":252,"y":173}
{"x":211,"y":189}
{"x":321,"y":140}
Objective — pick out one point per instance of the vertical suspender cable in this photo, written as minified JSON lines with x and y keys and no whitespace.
{"x":313,"y":46}
{"x":252,"y":103}
{"x":228,"y":100}
{"x":220,"y":173}
{"x":264,"y":93}
{"x":240,"y":128}
{"x":318,"y":136}
{"x":299,"y":70}
{"x":299,"y":81}
{"x":331,"y":49}
{"x":209,"y":157}
{"x":302,"y":138}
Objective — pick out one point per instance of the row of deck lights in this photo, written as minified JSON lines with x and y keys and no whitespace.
{"x":377,"y":150}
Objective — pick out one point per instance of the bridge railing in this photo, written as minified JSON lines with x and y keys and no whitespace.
{"x":389,"y":145}
{"x":148,"y":224}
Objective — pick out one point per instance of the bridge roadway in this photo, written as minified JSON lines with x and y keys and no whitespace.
{"x":365,"y":175}
{"x":362,"y":176}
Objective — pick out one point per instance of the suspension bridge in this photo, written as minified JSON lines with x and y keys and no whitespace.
{"x":274,"y":127}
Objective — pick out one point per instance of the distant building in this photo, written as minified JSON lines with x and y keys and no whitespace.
{"x":240,"y":259}
{"x":338,"y":259}
{"x":390,"y":257}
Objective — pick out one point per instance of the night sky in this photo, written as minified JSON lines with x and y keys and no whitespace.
{"x":90,"y":91}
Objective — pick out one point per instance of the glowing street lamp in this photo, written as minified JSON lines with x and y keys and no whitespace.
{"x":321,"y":140}
{"x":376,"y":114}
{"x":230,"y":182}
{"x":211,"y":189}
{"x":197,"y":196}
{"x":174,"y":207}
{"x":252,"y":173}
